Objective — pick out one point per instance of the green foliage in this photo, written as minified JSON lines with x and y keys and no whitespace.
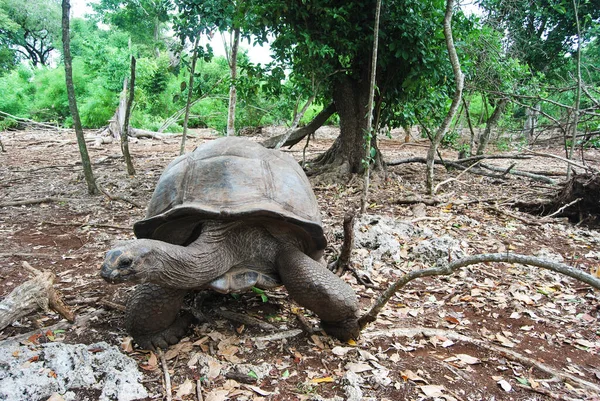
{"x":451,"y":140}
{"x":29,"y":30}
{"x":144,"y":21}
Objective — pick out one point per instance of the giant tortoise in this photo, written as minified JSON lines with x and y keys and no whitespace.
{"x":229,"y":216}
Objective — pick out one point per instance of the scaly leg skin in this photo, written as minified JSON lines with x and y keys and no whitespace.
{"x":152,"y":316}
{"x":318,"y":289}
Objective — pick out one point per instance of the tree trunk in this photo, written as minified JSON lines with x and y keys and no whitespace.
{"x":125,"y":131}
{"x":490,"y":124}
{"x":370,"y":136}
{"x":531,"y":122}
{"x":232,"y":88}
{"x":459,"y":81}
{"x":85,"y":158}
{"x":188,"y":103}
{"x":577,"y":92}
{"x":351,"y":98}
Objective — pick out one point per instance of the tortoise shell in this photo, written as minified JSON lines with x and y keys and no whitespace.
{"x":230,"y":178}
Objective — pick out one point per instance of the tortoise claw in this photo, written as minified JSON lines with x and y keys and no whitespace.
{"x":164,"y":338}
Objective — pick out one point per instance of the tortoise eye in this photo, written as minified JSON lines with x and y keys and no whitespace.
{"x":125,"y":262}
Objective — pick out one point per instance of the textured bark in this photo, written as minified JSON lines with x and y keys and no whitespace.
{"x":459,"y":82}
{"x":232,"y":88}
{"x":370,"y":133}
{"x":85,"y":159}
{"x":351,"y":97}
{"x":32,"y":295}
{"x":125,"y":131}
{"x":188,"y":103}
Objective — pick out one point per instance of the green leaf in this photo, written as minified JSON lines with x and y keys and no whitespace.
{"x":522,"y":380}
{"x":285,"y":374}
{"x":253,"y":374}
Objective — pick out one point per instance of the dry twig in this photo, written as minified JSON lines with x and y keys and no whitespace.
{"x":26,"y":202}
{"x":451,"y":267}
{"x":165,"y":368}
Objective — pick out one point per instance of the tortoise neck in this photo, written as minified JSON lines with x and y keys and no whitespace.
{"x":220,"y":246}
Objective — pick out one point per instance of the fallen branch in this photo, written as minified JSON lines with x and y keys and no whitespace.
{"x":506,"y":353}
{"x":571,"y":162}
{"x":299,"y":133}
{"x":536,"y":177}
{"x":280,"y":336}
{"x":451,"y":267}
{"x":26,"y":202}
{"x":27,"y":255}
{"x":31,"y":122}
{"x":412,"y":200}
{"x":34,"y":294}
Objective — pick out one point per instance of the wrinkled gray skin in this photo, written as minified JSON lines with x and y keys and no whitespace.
{"x":227,"y":257}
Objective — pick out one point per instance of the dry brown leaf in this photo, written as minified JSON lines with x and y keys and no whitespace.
{"x":214,"y":369}
{"x":505,"y":342}
{"x":341,"y":351}
{"x":358,"y":367}
{"x":127,"y":345}
{"x":317,"y":340}
{"x":412,"y":376}
{"x":186,"y":388}
{"x":56,"y":397}
{"x":151,"y":364}
{"x":216,"y":395}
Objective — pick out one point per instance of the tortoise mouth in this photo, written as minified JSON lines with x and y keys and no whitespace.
{"x":115,"y":276}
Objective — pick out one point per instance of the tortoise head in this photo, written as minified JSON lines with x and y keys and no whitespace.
{"x":130,"y":262}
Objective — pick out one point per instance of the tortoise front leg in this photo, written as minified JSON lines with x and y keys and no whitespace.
{"x":152,"y":316}
{"x":318,"y":289}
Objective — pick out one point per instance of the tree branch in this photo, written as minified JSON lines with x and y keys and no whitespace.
{"x":447,"y":269}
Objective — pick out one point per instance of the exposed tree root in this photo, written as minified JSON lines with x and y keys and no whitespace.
{"x":578,"y":201}
{"x":343,"y":261}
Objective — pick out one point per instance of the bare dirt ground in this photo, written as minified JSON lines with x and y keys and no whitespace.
{"x":540,"y":315}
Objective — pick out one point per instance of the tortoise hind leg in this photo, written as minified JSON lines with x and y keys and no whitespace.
{"x":152,"y":316}
{"x":318,"y":289}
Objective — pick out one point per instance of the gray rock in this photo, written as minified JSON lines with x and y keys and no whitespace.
{"x":35,"y":372}
{"x":431,"y":250}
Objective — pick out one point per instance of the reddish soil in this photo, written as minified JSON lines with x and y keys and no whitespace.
{"x":538,"y":314}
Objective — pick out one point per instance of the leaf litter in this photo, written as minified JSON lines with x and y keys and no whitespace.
{"x":537,"y":313}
